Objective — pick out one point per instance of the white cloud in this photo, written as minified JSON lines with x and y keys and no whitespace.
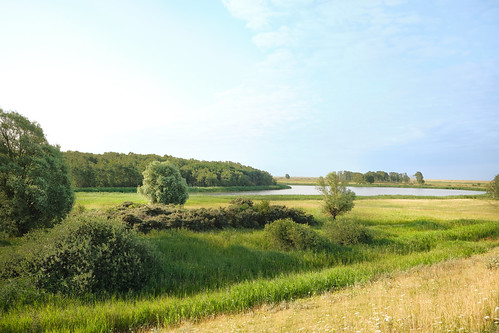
{"x":255,"y":12}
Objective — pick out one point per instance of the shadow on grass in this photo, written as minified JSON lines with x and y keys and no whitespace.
{"x":193,"y":263}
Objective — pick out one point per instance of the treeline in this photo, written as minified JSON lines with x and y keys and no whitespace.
{"x":374,"y":176}
{"x":125,"y":170}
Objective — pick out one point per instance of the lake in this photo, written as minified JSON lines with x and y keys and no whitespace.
{"x":361,"y":191}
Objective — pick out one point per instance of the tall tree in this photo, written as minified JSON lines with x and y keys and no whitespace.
{"x":337,"y":199}
{"x":35,"y":187}
{"x":419,"y":177}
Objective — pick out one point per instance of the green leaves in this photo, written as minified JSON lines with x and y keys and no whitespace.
{"x":337,"y":199}
{"x":35,"y":188}
{"x":84,"y":254}
{"x":164,"y":184}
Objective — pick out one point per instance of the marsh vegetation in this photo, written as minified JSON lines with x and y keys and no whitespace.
{"x":206,"y":273}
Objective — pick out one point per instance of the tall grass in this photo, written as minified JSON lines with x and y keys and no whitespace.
{"x":232,"y":270}
{"x":455,"y":296}
{"x":229,"y":271}
{"x":124,"y":314}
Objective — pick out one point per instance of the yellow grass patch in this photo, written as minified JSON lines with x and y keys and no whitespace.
{"x":456,"y":296}
{"x":404,"y":209}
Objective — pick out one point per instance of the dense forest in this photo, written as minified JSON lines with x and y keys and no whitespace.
{"x":125,"y":170}
{"x":371,"y":177}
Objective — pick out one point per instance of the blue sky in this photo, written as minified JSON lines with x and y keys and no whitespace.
{"x":289,"y":86}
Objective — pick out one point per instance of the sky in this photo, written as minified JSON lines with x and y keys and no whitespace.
{"x":298,"y":87}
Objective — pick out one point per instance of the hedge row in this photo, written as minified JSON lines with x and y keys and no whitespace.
{"x":241,"y":213}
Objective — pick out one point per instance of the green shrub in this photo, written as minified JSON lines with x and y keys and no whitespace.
{"x":346,"y":232}
{"x":285,"y":234}
{"x":18,"y":291}
{"x":241,"y":213}
{"x":84,"y":254}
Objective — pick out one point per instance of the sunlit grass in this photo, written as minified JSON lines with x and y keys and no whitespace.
{"x":454,"y":296}
{"x":401,"y":210}
{"x":227,"y":271}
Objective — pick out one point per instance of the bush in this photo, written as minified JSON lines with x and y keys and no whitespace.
{"x":241,"y":213}
{"x":346,"y":232}
{"x":84,"y":254}
{"x":285,"y":234}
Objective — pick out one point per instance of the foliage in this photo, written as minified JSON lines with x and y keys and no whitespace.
{"x":164,"y":184}
{"x":419,"y":178}
{"x":241,"y":213}
{"x":285,"y":234}
{"x":371,"y":177}
{"x":35,"y":187}
{"x":83,"y":254}
{"x":493,"y":188}
{"x":347,"y":232}
{"x":125,"y":170}
{"x":337,"y":199}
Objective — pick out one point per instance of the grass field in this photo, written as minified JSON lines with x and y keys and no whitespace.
{"x":454,"y":296}
{"x":233,"y":271}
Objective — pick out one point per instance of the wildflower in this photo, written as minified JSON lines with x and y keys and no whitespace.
{"x":487,"y":317}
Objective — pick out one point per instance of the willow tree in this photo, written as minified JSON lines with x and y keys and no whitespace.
{"x":337,"y":199}
{"x":35,"y":187}
{"x":164,"y":184}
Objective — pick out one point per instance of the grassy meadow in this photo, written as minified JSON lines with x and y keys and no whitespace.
{"x":222,"y":273}
{"x":459,"y":295}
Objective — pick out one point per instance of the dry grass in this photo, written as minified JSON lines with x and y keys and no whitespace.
{"x":401,"y":209}
{"x":297,"y":180}
{"x":455,"y":296}
{"x":398,"y":210}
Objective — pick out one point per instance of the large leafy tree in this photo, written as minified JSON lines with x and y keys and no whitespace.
{"x":164,"y":184}
{"x":35,"y":187}
{"x":337,"y":199}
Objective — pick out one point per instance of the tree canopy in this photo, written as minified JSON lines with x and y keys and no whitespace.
{"x":35,"y":187}
{"x":419,"y":177}
{"x":126,"y":170}
{"x":337,"y":199}
{"x":164,"y":184}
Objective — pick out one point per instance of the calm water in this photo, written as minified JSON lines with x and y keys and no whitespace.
{"x":362,"y":191}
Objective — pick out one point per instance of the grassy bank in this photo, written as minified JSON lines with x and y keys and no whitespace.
{"x":228,"y":271}
{"x":458,"y":295}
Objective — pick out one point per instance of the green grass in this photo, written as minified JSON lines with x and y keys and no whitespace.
{"x":191,"y":189}
{"x":234,"y":270}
